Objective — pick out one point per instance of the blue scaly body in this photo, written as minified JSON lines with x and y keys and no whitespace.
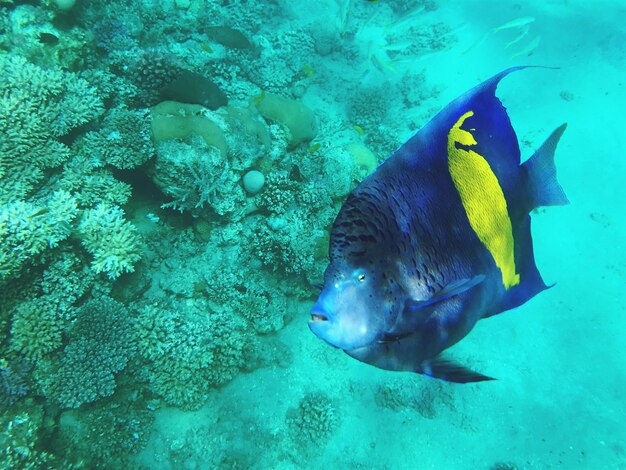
{"x":435,"y":239}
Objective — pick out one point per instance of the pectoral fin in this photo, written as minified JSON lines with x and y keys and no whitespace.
{"x":449,"y":371}
{"x":416,"y":312}
{"x":451,"y":290}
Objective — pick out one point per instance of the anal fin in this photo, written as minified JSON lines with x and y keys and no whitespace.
{"x":450,"y":371}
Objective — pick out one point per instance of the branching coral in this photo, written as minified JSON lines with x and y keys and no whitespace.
{"x":202,"y":155}
{"x":196,"y":176}
{"x":28,"y":229}
{"x":36,"y":107}
{"x":65,"y":280}
{"x":36,"y":329}
{"x":123,"y":141}
{"x":38,"y":324}
{"x":84,"y":177}
{"x":188,"y":353}
{"x":265,"y":312}
{"x":12,"y":382}
{"x":314,"y":419}
{"x":106,"y":434}
{"x":279,"y":193}
{"x":113,"y":241}
{"x":20,"y":439}
{"x":288,"y":246}
{"x":101,"y":343}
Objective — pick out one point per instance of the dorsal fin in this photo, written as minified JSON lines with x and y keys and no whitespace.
{"x":490,"y":125}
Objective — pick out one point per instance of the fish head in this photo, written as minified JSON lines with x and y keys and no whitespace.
{"x":351,"y":310}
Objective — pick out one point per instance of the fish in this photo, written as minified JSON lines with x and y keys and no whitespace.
{"x":530,"y":47}
{"x":518,"y":38}
{"x":516,"y":23}
{"x":437,"y":238}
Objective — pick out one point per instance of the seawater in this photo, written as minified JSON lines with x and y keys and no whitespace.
{"x":170,"y":173}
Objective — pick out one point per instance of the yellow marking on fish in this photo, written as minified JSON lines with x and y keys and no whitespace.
{"x":483,"y":200}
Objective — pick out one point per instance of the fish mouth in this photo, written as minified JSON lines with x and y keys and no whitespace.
{"x":320,"y":326}
{"x":320,"y":323}
{"x":318,"y":317}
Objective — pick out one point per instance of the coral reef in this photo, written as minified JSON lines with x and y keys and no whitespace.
{"x":314,"y":419}
{"x":188,"y":351}
{"x":12,"y":382}
{"x":105,"y":435}
{"x":426,"y":398}
{"x":37,"y":106}
{"x":101,"y":342}
{"x":112,"y":240}
{"x":28,"y":229}
{"x":128,"y":131}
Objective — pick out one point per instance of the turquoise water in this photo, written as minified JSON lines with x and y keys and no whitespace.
{"x":154,"y":294}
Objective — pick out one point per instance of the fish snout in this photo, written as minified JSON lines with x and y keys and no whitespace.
{"x":317,"y":317}
{"x":319,"y":324}
{"x":319,"y":313}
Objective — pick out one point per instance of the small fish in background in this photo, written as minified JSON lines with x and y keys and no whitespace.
{"x":518,"y":38}
{"x":437,"y":238}
{"x":517,"y":23}
{"x":529,"y":49}
{"x":523,"y":25}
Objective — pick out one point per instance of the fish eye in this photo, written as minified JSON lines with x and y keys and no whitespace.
{"x":359,"y":274}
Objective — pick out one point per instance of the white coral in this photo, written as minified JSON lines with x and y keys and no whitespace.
{"x":27,"y":229}
{"x":112,"y":240}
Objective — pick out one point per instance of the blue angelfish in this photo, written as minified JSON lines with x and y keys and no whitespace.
{"x":437,"y":238}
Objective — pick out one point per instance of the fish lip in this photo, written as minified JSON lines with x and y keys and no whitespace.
{"x":319,"y":314}
{"x":319,"y":322}
{"x":320,"y":328}
{"x":317,"y":317}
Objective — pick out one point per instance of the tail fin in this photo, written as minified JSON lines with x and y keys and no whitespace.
{"x":543,"y":187}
